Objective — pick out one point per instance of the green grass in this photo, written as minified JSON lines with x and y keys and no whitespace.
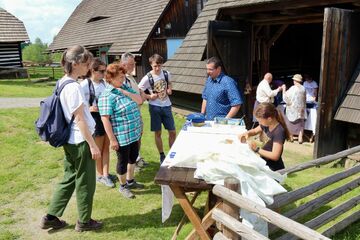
{"x":24,"y":88}
{"x":30,"y":170}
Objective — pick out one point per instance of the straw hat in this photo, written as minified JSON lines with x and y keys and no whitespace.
{"x":297,"y":77}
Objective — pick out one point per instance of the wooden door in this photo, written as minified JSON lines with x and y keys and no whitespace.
{"x":339,"y":55}
{"x":231,"y":42}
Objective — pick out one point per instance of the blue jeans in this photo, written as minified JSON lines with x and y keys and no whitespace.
{"x":161,"y":115}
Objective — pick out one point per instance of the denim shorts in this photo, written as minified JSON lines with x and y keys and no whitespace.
{"x":161,"y":115}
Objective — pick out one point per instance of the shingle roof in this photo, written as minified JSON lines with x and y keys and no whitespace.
{"x":187,"y":66}
{"x":349,"y":110}
{"x":11,"y":28}
{"x":124,"y":24}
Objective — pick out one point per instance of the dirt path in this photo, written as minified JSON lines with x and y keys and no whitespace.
{"x":19,"y":102}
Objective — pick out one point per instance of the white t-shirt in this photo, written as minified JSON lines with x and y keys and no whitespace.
{"x":310,"y":90}
{"x":98,"y":87}
{"x":264,"y":94}
{"x":160,"y":88}
{"x":71,"y":98}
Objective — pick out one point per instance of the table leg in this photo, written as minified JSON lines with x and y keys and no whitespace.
{"x":182,"y":221}
{"x":190,"y":212}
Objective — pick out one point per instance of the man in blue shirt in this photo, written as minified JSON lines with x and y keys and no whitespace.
{"x":221,"y":97}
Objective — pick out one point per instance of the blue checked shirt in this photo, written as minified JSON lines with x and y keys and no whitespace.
{"x":124,"y":114}
{"x":220,"y":94}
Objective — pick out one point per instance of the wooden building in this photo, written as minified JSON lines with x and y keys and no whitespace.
{"x":109,"y":28}
{"x":12,"y":34}
{"x":285,"y":37}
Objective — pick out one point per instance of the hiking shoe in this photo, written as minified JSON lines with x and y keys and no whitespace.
{"x":89,"y":226}
{"x":99,"y":179}
{"x":162,"y":158}
{"x":137,"y":169}
{"x":113,"y":177}
{"x":108,"y":182}
{"x":126,"y":192}
{"x":141,"y":163}
{"x":134,"y":185}
{"x":56,"y":223}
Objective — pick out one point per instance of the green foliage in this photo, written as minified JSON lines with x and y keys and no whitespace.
{"x":56,"y":57}
{"x":36,"y":52}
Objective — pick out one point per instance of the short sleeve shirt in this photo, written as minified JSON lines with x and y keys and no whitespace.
{"x":310,"y":90}
{"x":220,"y":94}
{"x":71,"y":98}
{"x":276,"y":135}
{"x":160,"y":87}
{"x":124,"y":114}
{"x":98,"y":87}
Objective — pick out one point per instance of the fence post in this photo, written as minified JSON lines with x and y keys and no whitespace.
{"x":53,"y":71}
{"x":229,"y":208}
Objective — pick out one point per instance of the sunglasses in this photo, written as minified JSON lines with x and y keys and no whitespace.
{"x":101,"y":71}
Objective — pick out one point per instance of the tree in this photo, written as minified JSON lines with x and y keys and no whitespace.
{"x":36,"y":52}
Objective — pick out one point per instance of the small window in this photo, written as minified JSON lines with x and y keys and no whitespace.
{"x":97,"y":18}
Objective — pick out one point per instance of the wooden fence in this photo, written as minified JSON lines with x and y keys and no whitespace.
{"x":232,"y":227}
{"x":51,"y":72}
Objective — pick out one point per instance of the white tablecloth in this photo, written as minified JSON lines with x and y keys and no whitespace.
{"x":310,"y":123}
{"x":217,"y":154}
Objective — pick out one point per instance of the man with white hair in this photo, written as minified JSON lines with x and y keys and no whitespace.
{"x":128,"y":62}
{"x":264,"y":94}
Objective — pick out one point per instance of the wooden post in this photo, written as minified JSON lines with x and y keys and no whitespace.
{"x":229,"y":208}
{"x":53,"y":72}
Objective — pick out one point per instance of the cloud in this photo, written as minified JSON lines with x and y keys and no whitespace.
{"x":42,"y":18}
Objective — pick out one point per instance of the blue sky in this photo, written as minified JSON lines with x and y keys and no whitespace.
{"x":42,"y":18}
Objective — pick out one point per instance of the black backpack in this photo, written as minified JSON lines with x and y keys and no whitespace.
{"x":51,"y":125}
{"x":151,"y":79}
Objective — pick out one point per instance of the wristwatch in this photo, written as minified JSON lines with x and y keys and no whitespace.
{"x":257,"y":149}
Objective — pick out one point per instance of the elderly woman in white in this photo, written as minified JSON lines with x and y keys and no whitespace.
{"x":295,"y":99}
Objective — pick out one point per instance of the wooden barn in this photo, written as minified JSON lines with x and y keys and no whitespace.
{"x":12,"y":34}
{"x":285,"y":37}
{"x":109,"y":28}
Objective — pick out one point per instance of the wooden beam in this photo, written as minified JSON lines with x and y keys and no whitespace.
{"x":327,"y":216}
{"x":342,"y":224}
{"x":316,"y":203}
{"x":280,"y":5}
{"x":236,"y":226}
{"x":277,"y":35}
{"x":286,"y":198}
{"x":321,"y":161}
{"x":270,"y":216}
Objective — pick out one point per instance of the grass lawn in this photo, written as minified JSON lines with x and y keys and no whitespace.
{"x":24,"y":88}
{"x":30,"y":170}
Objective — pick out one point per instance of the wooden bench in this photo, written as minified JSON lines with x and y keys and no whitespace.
{"x":287,"y":220}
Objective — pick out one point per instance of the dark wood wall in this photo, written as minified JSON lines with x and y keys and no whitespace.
{"x":340,"y":53}
{"x":10,"y":54}
{"x":176,"y":22}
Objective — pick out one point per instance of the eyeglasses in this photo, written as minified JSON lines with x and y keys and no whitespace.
{"x":101,"y":71}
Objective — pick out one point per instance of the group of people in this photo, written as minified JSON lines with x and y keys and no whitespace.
{"x":106,"y":108}
{"x":295,"y":100}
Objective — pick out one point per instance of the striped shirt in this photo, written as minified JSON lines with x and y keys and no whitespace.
{"x":124,"y":114}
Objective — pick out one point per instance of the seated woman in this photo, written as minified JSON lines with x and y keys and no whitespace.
{"x":273,"y":125}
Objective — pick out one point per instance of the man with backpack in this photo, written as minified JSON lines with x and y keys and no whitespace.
{"x":157,"y":87}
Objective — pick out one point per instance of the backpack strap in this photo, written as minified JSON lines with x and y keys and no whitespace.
{"x":91,"y":92}
{"x":166,"y":75}
{"x":58,"y":90}
{"x":151,"y":80}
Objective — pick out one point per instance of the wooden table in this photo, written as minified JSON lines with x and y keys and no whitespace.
{"x":181,"y":180}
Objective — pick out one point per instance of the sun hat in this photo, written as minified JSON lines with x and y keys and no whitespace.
{"x":297,"y":77}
